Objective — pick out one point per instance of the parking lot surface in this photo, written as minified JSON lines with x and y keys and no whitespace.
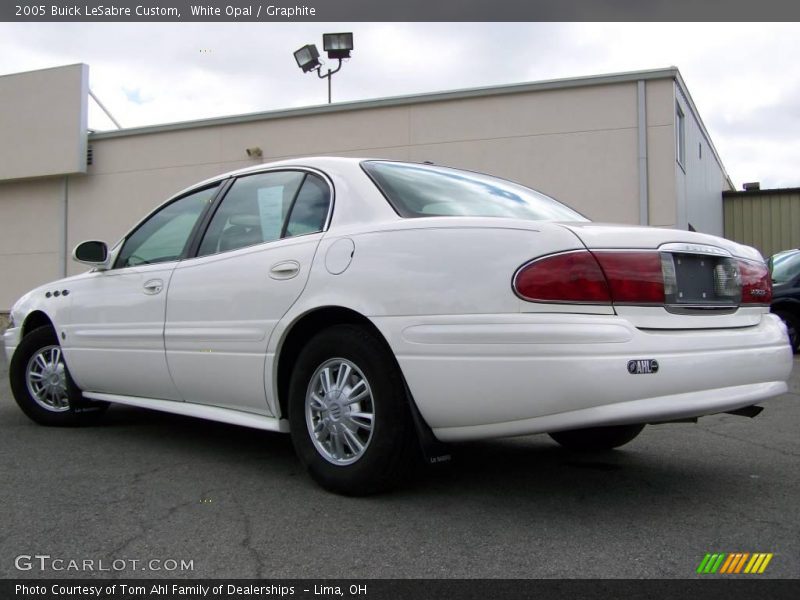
{"x":145,"y":486}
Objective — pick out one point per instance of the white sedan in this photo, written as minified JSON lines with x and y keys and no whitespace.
{"x":374,"y":309}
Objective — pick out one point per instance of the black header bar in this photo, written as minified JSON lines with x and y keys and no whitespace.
{"x":278,"y":11}
{"x":714,"y":588}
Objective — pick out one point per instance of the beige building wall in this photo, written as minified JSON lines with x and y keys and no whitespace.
{"x":31,"y":236}
{"x":578,"y":145}
{"x":660,"y":98}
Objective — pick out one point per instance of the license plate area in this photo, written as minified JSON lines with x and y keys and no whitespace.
{"x":700,"y":281}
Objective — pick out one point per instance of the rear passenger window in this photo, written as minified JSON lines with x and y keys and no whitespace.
{"x":310,"y":209}
{"x":266,"y":207}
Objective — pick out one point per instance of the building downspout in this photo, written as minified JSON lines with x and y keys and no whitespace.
{"x":644,"y":184}
{"x":63,"y":251}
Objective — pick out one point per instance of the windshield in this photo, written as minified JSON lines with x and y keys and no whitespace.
{"x":430,"y":191}
{"x":784,"y":266}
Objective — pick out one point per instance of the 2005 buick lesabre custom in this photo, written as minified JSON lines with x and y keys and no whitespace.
{"x":365,"y":306}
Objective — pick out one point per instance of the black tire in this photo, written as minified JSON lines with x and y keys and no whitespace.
{"x":792,"y":327}
{"x":75,"y":410}
{"x":388,"y":450}
{"x":597,"y":438}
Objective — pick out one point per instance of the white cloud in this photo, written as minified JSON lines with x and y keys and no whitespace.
{"x":743,"y":77}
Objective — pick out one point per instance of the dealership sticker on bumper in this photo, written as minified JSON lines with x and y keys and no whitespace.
{"x":647,"y":366}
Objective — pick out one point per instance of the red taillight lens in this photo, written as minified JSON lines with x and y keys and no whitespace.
{"x":594,"y":277}
{"x":634,"y":277}
{"x":756,"y":283}
{"x":569,"y":277}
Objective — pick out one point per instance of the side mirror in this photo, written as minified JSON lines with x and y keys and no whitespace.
{"x":92,"y":253}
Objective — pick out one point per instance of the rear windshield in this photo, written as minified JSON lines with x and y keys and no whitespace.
{"x":430,"y":191}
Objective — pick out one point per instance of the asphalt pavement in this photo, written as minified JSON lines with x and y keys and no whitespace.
{"x":231,"y":502}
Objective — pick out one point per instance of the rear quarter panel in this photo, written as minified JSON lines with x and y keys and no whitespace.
{"x":432,"y":267}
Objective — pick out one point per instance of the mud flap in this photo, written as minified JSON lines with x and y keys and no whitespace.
{"x":433,"y":451}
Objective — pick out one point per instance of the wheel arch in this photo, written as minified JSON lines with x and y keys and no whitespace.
{"x":34,"y":320}
{"x":307,"y":326}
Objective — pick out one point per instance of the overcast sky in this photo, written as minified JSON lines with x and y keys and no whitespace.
{"x":744,"y":78}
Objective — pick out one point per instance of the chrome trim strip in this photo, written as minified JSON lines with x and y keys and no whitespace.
{"x":701,"y":309}
{"x":688,"y":248}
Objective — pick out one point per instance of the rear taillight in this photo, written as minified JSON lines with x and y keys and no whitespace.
{"x":756,"y":283}
{"x":568,"y":277}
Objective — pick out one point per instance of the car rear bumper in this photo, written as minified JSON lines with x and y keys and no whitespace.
{"x":481,"y":376}
{"x":648,"y":410}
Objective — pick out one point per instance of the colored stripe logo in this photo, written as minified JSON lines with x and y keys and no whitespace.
{"x":734,"y":563}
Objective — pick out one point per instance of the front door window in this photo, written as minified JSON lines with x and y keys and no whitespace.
{"x":164,"y":235}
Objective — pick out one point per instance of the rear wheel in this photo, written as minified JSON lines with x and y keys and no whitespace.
{"x":349,"y":415}
{"x":597,"y":438}
{"x":42,"y":385}
{"x":792,"y":324}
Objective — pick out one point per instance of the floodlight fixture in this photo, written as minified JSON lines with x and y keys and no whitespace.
{"x":307,"y":58}
{"x":337,"y":45}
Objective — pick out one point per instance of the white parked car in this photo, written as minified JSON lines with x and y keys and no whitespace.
{"x":365,"y":306}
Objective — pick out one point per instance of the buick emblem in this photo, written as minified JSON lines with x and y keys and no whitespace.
{"x":645,"y":366}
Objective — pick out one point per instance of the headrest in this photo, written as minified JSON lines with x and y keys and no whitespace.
{"x":245,"y":220}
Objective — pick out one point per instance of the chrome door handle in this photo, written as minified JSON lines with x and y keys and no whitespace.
{"x":285,"y":270}
{"x":154,"y":286}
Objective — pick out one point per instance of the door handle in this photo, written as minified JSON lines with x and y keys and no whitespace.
{"x":154,"y":286}
{"x":285,"y":270}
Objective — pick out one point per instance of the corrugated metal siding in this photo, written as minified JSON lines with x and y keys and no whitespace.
{"x":766,"y":219}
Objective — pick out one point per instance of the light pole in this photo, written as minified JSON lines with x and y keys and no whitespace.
{"x":338,"y":47}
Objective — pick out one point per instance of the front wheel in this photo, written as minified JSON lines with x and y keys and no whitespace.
{"x":597,"y":438}
{"x":42,"y":385}
{"x":349,"y":414}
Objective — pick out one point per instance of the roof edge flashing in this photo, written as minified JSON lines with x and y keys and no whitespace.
{"x":440,"y":96}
